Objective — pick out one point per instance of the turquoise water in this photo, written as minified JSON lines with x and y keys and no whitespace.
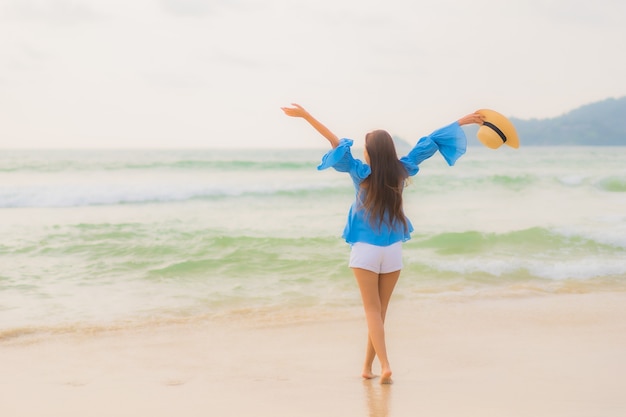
{"x":114,"y":238}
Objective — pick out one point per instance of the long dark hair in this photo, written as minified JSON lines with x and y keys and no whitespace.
{"x":383,"y":188}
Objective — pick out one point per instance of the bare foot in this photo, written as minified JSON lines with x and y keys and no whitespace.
{"x":368,"y":375}
{"x":385,"y":377}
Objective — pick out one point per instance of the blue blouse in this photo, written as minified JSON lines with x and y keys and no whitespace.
{"x":450,"y":141}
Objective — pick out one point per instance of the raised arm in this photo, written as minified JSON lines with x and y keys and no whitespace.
{"x":449,"y":140}
{"x":299,"y":111}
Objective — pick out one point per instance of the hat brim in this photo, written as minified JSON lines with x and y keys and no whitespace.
{"x":496,"y":130}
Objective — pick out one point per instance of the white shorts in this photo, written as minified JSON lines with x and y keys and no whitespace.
{"x":378,"y":259}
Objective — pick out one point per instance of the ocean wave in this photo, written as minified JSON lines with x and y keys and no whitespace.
{"x":120,"y":190}
{"x":612,"y":184}
{"x":56,"y":196}
{"x":201,"y":160}
{"x":489,"y":271}
{"x":535,"y":239}
{"x":459,"y":181}
{"x":531,"y":254}
{"x":237,"y":165}
{"x":113,"y":272}
{"x":172,"y":252}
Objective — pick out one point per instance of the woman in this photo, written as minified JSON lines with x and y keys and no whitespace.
{"x":376,"y":224}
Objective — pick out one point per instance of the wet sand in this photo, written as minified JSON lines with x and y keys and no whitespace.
{"x":548,"y":355}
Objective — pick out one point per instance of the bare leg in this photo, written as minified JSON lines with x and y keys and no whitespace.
{"x":370,"y":354}
{"x":386,"y":285}
{"x":376,"y":292}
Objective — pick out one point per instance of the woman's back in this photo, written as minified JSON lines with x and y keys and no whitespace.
{"x":381,"y":192}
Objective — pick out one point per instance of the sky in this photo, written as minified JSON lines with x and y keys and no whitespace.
{"x":214,"y":73}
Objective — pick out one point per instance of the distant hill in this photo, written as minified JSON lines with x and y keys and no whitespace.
{"x":602,"y":123}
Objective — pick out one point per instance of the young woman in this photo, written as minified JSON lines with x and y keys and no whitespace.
{"x":376,"y":224}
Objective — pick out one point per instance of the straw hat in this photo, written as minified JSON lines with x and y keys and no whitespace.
{"x":496,"y":130}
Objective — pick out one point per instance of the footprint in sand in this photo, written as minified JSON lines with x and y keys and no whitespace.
{"x":174,"y":382}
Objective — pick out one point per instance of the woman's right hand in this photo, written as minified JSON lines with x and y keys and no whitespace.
{"x":298,"y":111}
{"x":295,"y":111}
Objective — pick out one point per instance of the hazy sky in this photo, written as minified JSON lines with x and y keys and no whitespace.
{"x":214,"y":73}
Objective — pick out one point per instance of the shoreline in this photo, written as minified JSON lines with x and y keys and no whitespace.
{"x":548,"y":355}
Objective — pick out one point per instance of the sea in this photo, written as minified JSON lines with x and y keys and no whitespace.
{"x":110,"y":239}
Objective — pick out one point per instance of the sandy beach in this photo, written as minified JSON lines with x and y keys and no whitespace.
{"x":551,"y":355}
